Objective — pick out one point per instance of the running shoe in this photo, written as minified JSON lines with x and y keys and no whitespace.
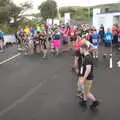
{"x":94,"y":105}
{"x":83,"y":103}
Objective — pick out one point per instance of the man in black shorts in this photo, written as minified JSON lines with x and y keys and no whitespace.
{"x":86,"y":78}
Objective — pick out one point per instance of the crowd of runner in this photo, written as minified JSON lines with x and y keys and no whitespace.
{"x":45,"y":38}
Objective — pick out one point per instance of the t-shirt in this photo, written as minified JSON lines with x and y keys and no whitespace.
{"x":101,"y":30}
{"x":1,"y":35}
{"x":95,"y":39}
{"x":88,"y":61}
{"x":32,"y":31}
{"x":79,"y":31}
{"x":108,"y":37}
{"x":57,"y":36}
{"x":72,"y":32}
{"x":27,"y":30}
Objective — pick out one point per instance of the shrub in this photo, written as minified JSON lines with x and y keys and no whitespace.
{"x":7,"y":29}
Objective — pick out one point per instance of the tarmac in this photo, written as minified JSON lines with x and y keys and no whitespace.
{"x":35,"y":89}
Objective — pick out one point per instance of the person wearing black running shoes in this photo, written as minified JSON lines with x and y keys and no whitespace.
{"x":87,"y":76}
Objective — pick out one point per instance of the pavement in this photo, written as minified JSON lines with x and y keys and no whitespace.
{"x":35,"y":89}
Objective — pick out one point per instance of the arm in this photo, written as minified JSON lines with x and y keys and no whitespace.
{"x":76,"y":61}
{"x":87,"y":72}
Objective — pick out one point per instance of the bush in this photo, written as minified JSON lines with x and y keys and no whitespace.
{"x":7,"y":29}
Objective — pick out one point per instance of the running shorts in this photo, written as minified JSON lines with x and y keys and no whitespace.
{"x":56,"y":43}
{"x":87,"y":86}
{"x":30,"y":42}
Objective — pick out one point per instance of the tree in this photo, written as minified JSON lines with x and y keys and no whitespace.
{"x":10,"y":11}
{"x":48,"y":9}
{"x":77,"y":13}
{"x":4,"y":11}
{"x":64,"y":10}
{"x":16,"y":12}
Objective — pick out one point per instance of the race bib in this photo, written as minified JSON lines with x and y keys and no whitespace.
{"x":37,"y":42}
{"x":94,"y":40}
{"x":108,"y":37}
{"x":81,"y":70}
{"x":65,"y":35}
{"x":72,"y":34}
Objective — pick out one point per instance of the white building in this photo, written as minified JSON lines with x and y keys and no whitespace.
{"x":107,"y":19}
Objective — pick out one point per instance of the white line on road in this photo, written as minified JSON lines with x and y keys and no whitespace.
{"x":22,"y":99}
{"x":9,"y":59}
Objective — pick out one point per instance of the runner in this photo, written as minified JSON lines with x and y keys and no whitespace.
{"x":1,"y":40}
{"x":43,"y":43}
{"x":87,"y":77}
{"x":95,"y":42}
{"x":77,"y":62}
{"x":31,"y":44}
{"x":108,"y":42}
{"x":20,"y":38}
{"x":108,"y":38}
{"x":37,"y":43}
{"x":57,"y":42}
{"x":101,"y":32}
{"x":26,"y":43}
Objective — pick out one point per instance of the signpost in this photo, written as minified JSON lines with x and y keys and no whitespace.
{"x":67,"y":18}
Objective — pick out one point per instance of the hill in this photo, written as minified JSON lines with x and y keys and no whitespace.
{"x":85,"y":13}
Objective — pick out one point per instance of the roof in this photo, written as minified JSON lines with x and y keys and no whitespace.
{"x":109,"y":12}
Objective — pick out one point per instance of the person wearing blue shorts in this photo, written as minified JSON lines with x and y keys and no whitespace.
{"x":95,"y":42}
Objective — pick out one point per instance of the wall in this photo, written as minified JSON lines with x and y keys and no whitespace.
{"x":107,"y":20}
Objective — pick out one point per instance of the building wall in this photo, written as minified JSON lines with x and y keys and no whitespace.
{"x":107,"y":20}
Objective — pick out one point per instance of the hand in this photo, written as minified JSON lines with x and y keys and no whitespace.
{"x":77,"y":71}
{"x":82,"y":81}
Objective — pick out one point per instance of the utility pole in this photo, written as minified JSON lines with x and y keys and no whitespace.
{"x":88,"y":9}
{"x":52,"y":14}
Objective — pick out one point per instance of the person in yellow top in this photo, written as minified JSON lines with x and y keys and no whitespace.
{"x":27,"y":30}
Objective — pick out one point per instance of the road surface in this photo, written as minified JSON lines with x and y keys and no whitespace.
{"x":34,"y":89}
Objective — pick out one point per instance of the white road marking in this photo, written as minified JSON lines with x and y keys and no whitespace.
{"x":111,"y":62}
{"x":9,"y":59}
{"x":118,"y":65}
{"x":118,"y":62}
{"x":22,"y":99}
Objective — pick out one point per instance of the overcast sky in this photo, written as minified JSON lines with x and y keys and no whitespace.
{"x":60,"y":3}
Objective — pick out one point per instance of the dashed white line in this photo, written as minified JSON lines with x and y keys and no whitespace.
{"x":9,"y":59}
{"x":22,"y":99}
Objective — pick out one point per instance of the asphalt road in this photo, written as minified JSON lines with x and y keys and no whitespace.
{"x":34,"y":89}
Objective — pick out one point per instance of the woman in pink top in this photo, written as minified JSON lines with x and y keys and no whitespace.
{"x":119,"y":36}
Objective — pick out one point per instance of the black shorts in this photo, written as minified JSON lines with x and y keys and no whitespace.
{"x":73,"y":38}
{"x":115,"y":39}
{"x":18,"y":41}
{"x":44,"y":46}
